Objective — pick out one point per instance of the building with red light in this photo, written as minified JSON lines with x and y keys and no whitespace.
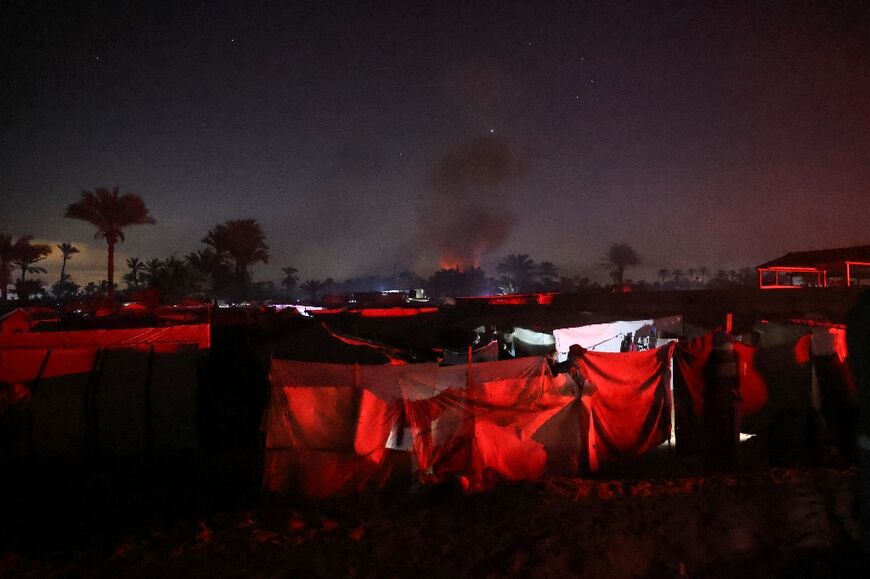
{"x":843,"y":267}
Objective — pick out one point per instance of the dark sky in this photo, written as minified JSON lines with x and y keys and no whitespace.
{"x":367,"y":136}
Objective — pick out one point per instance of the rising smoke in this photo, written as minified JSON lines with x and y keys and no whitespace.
{"x":465,"y":214}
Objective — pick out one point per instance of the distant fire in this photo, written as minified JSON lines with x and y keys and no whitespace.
{"x":466,"y":214}
{"x":452,"y":260}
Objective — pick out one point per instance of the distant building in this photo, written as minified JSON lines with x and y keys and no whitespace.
{"x":846,"y":266}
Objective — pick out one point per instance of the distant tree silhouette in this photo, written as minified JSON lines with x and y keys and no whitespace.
{"x":244,"y":242}
{"x":174,"y":278}
{"x":290,"y":279}
{"x":152,"y":271}
{"x":619,"y":257}
{"x":67,"y":250}
{"x":518,"y":269}
{"x":664,"y":273}
{"x":27,"y":288}
{"x":453,"y":282}
{"x":703,"y":271}
{"x":408,"y":280}
{"x":133,"y":278}
{"x":548,"y":274}
{"x":214,"y":266}
{"x":313,"y":288}
{"x":110,"y":211}
{"x":26,"y":254}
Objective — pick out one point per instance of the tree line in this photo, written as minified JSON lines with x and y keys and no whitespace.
{"x":221,"y":268}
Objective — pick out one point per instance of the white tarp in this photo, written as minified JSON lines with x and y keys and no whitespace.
{"x":596,"y":337}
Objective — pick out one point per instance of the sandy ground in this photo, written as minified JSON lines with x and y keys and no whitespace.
{"x":749,"y":522}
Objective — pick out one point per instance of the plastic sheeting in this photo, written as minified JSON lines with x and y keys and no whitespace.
{"x":773,"y":380}
{"x":111,"y":392}
{"x":328,"y":425}
{"x":628,"y":403}
{"x":195,"y":333}
{"x":597,"y":337}
{"x":691,"y":374}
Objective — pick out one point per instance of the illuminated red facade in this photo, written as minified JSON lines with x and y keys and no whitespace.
{"x":847,"y":266}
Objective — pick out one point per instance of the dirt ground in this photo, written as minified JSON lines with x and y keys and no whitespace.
{"x":664,"y":517}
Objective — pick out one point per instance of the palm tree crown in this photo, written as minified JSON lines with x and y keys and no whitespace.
{"x":110,"y":211}
{"x":619,"y":257}
{"x":519,"y":269}
{"x":243,"y":241}
{"x":25,"y":254}
{"x":67,"y":250}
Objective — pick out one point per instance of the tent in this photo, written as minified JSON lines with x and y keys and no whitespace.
{"x":329,"y":427}
{"x":111,"y":392}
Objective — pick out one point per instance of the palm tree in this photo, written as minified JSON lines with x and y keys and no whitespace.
{"x":518,"y":269}
{"x":245,"y":243}
{"x":67,"y":250}
{"x":313,"y":288}
{"x":663,"y":274}
{"x":152,"y":271}
{"x":547,"y":274}
{"x":25,"y":288}
{"x":702,"y":273}
{"x":290,"y":278}
{"x":175,"y":278}
{"x":25,"y":254}
{"x":133,"y":278}
{"x":619,"y":257}
{"x":110,"y":212}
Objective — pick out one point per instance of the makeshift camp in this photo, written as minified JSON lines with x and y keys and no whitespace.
{"x":111,"y":392}
{"x":328,"y":426}
{"x":794,"y":378}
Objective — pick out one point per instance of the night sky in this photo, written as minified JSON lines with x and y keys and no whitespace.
{"x":371,"y":136}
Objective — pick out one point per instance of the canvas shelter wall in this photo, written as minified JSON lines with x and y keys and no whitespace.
{"x":195,"y":333}
{"x":784,"y":389}
{"x":328,"y":425}
{"x":627,"y":398}
{"x":332,"y":422}
{"x":692,"y":372}
{"x":84,"y":398}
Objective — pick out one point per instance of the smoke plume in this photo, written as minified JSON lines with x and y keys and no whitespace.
{"x":465,"y":214}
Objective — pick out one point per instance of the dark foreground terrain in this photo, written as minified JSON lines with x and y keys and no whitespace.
{"x":663,"y":517}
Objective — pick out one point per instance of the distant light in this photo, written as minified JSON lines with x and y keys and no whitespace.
{"x":492,"y":130}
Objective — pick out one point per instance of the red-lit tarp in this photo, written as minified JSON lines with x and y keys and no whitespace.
{"x":627,"y":397}
{"x":691,"y":372}
{"x":195,"y":333}
{"x":772,"y":380}
{"x":112,"y":392}
{"x":327,"y":425}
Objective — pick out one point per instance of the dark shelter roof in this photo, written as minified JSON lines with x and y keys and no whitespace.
{"x":821,"y":258}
